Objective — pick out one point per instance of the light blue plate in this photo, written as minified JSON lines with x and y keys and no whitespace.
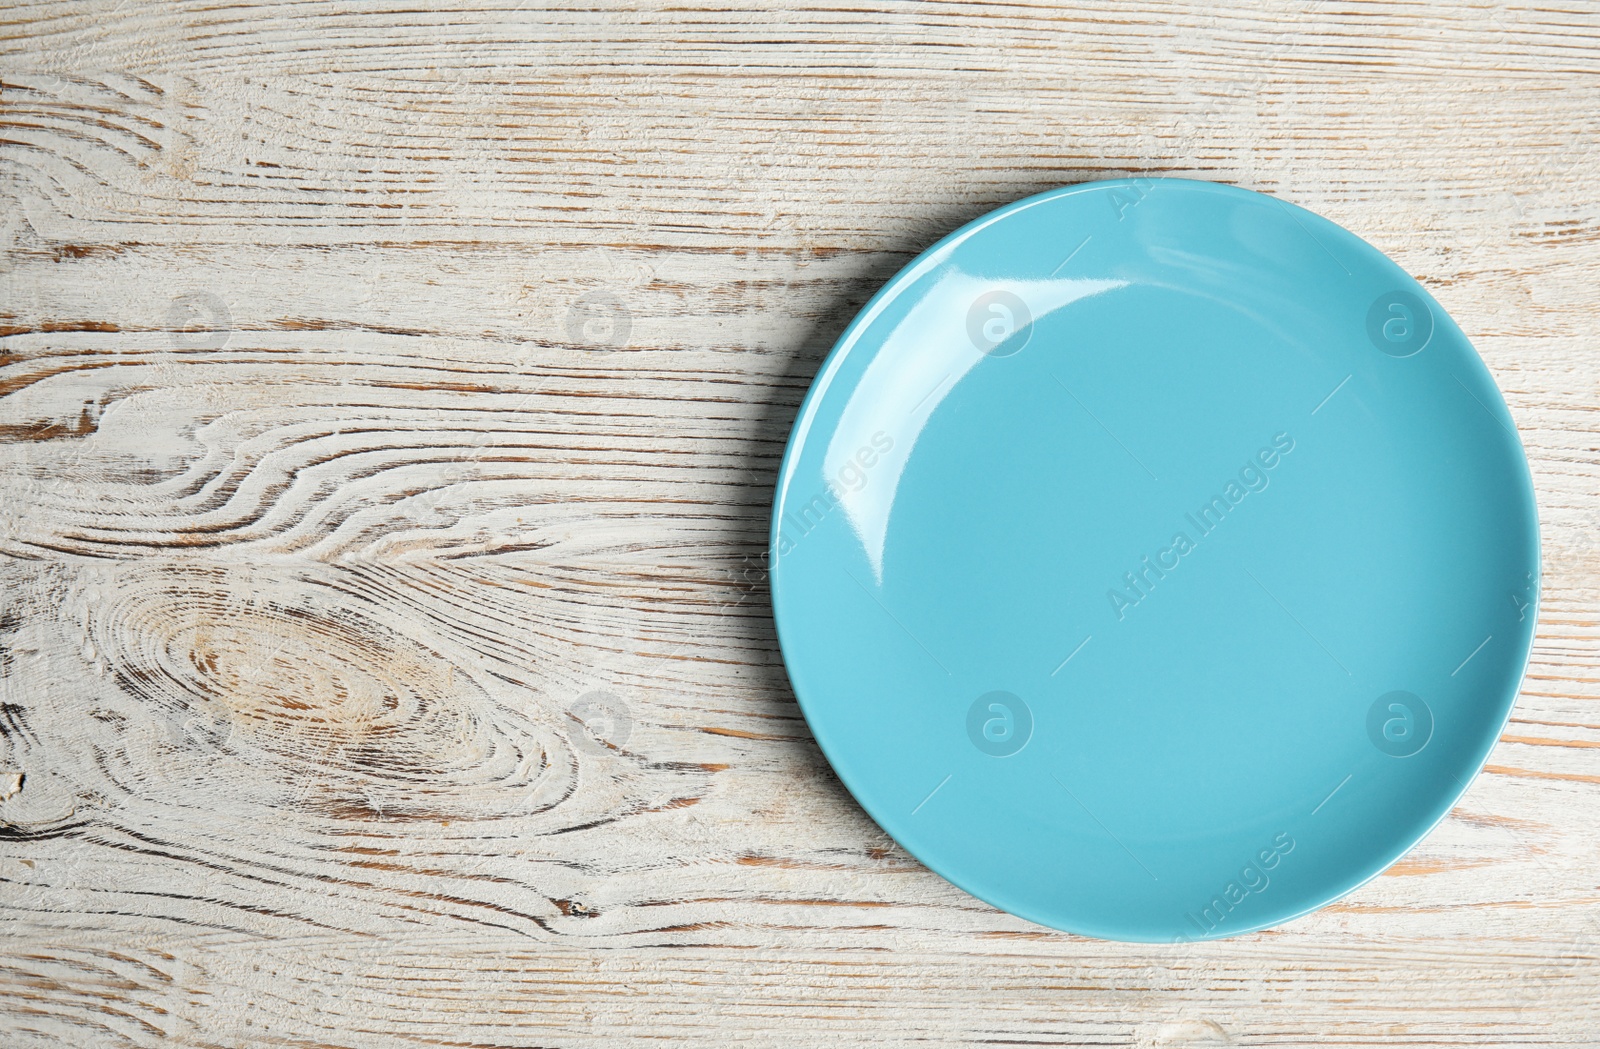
{"x":1154,"y":559}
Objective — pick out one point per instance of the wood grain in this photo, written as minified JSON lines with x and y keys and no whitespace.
{"x":390,"y":402}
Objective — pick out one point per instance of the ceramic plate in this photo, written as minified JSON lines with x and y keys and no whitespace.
{"x":1154,"y":559}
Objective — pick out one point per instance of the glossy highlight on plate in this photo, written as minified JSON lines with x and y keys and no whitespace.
{"x":1155,"y":560}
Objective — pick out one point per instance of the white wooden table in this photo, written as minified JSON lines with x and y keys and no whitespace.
{"x":391,"y":398}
